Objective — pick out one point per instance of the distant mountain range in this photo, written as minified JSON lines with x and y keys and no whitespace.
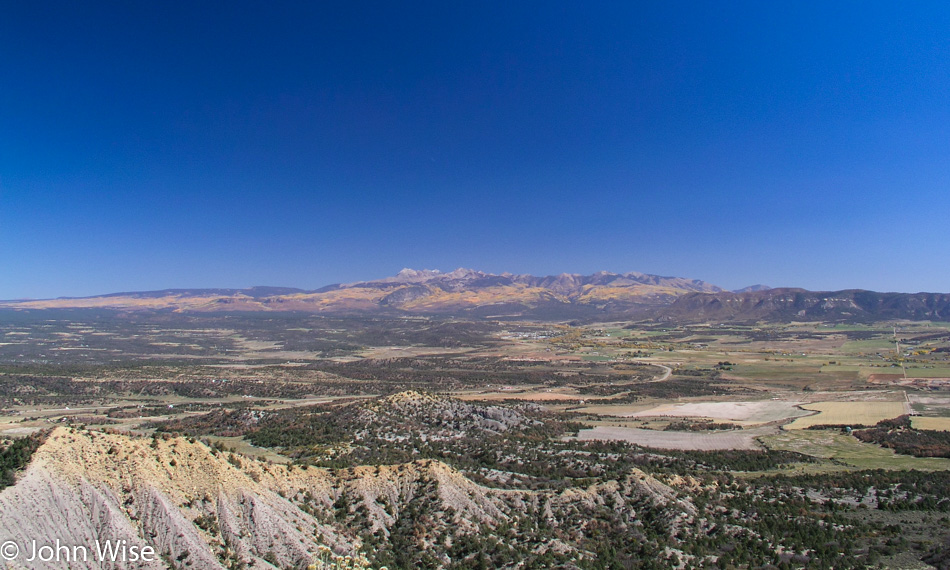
{"x":466,"y":292}
{"x":788,"y":304}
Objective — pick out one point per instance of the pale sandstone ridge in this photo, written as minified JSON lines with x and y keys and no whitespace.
{"x":201,"y":508}
{"x":83,"y":486}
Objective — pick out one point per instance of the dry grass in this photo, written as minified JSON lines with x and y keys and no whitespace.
{"x":937,"y":424}
{"x":848,"y":451}
{"x":848,"y":413}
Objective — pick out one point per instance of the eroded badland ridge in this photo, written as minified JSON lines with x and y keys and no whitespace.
{"x":203,"y":508}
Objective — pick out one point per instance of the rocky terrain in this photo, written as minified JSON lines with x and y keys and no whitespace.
{"x":281,"y":435}
{"x":390,"y":429}
{"x":200,"y":507}
{"x":417,"y":480}
{"x":442,"y":417}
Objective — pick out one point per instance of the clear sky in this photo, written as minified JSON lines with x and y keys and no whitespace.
{"x":147,"y":145}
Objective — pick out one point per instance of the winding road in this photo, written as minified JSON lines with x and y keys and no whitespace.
{"x":666,"y":372}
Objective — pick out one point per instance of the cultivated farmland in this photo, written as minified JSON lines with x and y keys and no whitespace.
{"x":847,"y":450}
{"x":735,"y":439}
{"x":763,"y":411}
{"x":937,"y":424}
{"x":848,"y":413}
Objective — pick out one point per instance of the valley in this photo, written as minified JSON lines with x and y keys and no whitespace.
{"x":354,"y":286}
{"x":295,"y":439}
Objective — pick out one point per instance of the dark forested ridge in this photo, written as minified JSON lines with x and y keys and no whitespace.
{"x":852,"y":305}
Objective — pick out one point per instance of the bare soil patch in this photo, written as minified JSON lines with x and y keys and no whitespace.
{"x":754,"y":412}
{"x":743,"y":439}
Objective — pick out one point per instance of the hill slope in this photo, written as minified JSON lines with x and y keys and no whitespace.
{"x":201,"y":508}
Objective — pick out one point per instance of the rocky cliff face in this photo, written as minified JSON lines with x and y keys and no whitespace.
{"x":799,"y":304}
{"x":198,"y":507}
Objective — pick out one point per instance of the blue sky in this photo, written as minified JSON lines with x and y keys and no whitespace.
{"x":187,"y":144}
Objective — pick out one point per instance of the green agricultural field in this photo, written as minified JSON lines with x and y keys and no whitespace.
{"x":853,"y":373}
{"x":931,"y":423}
{"x":619,"y":332}
{"x":847,"y":327}
{"x":848,"y":451}
{"x":596,"y":358}
{"x":868,"y":346}
{"x":936,"y":371}
{"x":793,"y":375}
{"x":848,"y":413}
